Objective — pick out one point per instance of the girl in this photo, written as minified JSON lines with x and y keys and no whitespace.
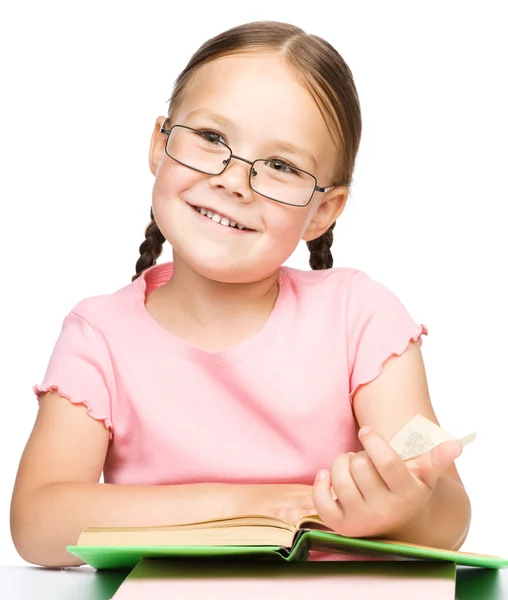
{"x":222,"y":382}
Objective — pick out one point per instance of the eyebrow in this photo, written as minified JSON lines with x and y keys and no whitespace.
{"x":283,"y":145}
{"x":292,"y":149}
{"x":219,"y":119}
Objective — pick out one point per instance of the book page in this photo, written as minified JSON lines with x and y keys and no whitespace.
{"x":312,"y":522}
{"x":420,"y":435}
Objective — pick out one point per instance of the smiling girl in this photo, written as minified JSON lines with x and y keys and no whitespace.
{"x":224,"y":382}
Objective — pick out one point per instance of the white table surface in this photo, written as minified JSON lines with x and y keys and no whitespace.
{"x":85,"y":583}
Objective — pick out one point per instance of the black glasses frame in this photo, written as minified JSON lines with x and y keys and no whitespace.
{"x":317,"y":188}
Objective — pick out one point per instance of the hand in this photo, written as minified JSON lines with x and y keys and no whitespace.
{"x":286,"y":501}
{"x":377,"y":492}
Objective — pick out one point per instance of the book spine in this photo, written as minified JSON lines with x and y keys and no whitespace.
{"x":300,"y":550}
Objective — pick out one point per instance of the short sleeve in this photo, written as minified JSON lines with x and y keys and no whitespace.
{"x":80,"y":369}
{"x":378,"y":327}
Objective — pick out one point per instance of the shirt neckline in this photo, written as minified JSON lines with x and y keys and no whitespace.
{"x":157,"y":275}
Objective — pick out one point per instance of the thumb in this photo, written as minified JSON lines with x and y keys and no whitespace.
{"x":430,"y":466}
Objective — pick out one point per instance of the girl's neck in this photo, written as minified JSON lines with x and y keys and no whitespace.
{"x":209,"y":313}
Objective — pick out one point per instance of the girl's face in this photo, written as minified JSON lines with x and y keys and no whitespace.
{"x":257,"y":107}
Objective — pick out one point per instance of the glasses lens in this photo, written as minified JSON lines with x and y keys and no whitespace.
{"x":280,"y":181}
{"x":197,"y":150}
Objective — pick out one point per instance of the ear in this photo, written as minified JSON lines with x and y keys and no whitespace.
{"x":157,"y":146}
{"x":328,"y":212}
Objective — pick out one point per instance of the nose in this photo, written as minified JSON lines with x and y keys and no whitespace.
{"x":234,"y":180}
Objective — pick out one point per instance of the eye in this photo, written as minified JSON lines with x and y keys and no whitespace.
{"x":212,"y":137}
{"x":282,"y":167}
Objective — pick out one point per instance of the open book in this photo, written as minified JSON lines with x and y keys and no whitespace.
{"x":245,"y":530}
{"x":266,"y":538}
{"x":247,"y":537}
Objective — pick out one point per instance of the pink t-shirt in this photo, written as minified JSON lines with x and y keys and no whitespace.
{"x":274,"y":408}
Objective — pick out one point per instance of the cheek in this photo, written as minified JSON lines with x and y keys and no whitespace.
{"x":171,"y":180}
{"x":286,"y":221}
{"x":170,"y":183}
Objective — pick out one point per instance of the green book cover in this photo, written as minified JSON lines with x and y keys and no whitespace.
{"x":118,"y":557}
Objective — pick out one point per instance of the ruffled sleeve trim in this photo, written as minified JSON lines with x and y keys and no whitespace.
{"x":39,"y":390}
{"x":402,"y":347}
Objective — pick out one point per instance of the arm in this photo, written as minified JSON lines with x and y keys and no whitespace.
{"x":386,"y":404}
{"x":57,"y":494}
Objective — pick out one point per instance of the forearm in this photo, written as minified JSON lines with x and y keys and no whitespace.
{"x":443,"y":523}
{"x":52,"y":517}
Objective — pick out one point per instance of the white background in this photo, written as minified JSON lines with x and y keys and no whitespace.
{"x":82,"y":85}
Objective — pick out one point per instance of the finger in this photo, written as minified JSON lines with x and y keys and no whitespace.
{"x":390,"y":466}
{"x":326,"y":507}
{"x":343,"y":483}
{"x":307,"y":503}
{"x":430,"y":466}
{"x":304,"y":502}
{"x":367,"y":478}
{"x":298,"y":514}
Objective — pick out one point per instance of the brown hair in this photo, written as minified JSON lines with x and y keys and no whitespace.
{"x":328,"y":78}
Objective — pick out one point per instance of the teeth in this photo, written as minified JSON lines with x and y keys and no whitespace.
{"x":219,"y":218}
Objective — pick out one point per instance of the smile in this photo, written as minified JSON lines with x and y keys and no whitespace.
{"x":220,"y":219}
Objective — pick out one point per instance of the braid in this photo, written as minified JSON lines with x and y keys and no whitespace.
{"x":151,"y":248}
{"x":320,"y":254}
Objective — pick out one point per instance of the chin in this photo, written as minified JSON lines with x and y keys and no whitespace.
{"x":225,"y":270}
{"x":225,"y":273}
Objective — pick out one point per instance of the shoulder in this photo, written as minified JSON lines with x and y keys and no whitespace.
{"x":343,"y":280}
{"x":320,"y":279}
{"x":104,"y":310}
{"x":347,"y":291}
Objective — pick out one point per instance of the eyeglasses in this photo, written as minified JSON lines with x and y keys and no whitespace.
{"x":275,"y":179}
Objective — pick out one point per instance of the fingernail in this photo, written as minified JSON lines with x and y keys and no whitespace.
{"x":364,"y":430}
{"x":459,"y":447}
{"x":321,"y":475}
